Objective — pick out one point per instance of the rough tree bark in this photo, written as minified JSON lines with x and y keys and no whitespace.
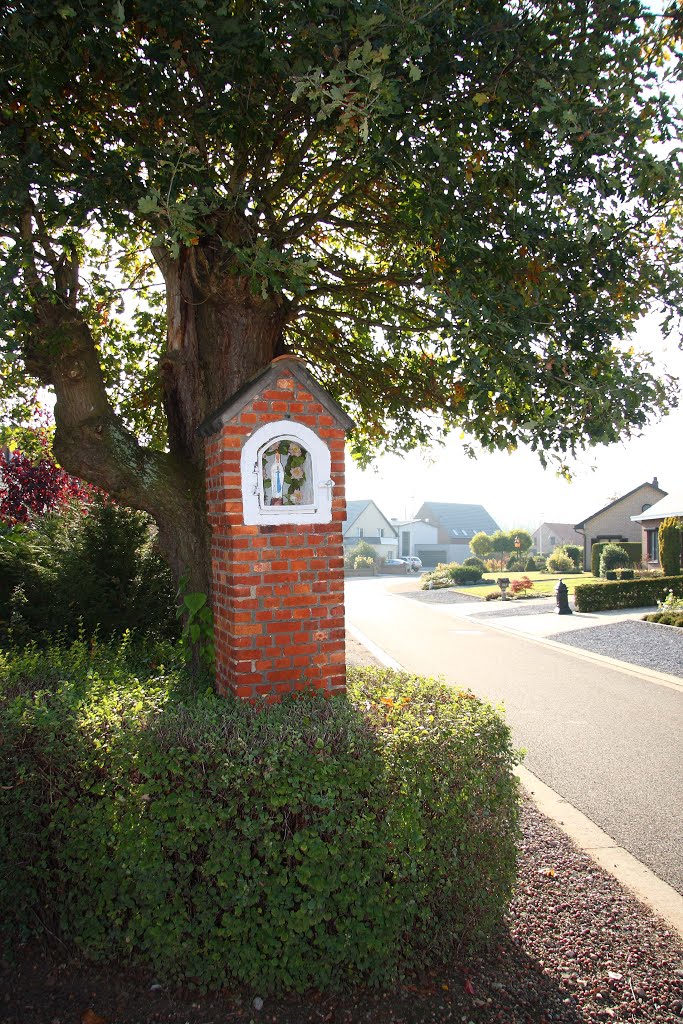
{"x":219,"y":335}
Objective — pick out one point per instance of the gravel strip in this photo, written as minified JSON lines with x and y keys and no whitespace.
{"x":634,"y":641}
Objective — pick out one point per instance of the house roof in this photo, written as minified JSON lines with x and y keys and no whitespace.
{"x":259,"y":382}
{"x":580,"y":526}
{"x":354,"y":510}
{"x":461,"y":521}
{"x":670,"y":505}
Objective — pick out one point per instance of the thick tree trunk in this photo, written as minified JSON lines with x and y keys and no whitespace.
{"x":219,"y":336}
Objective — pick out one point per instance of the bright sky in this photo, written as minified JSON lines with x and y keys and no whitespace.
{"x":514,"y":488}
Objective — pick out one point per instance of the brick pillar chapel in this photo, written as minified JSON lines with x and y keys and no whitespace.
{"x":276,"y":503}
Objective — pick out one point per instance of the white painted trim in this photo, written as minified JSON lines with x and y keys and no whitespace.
{"x":255,"y":512}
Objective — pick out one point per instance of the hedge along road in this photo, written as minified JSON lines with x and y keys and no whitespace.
{"x":607,"y":740}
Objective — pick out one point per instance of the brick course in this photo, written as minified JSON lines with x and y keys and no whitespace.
{"x":278,"y":590}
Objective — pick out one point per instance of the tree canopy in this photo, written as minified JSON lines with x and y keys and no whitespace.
{"x":456,"y":212}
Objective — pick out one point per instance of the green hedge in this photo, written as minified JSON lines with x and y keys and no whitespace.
{"x":666,"y":618}
{"x":633,"y":550}
{"x":308,"y":845}
{"x":638,"y":593}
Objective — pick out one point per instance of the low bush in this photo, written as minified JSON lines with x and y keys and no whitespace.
{"x":613,"y":557}
{"x":363,"y":562}
{"x":517,"y":563}
{"x":310,"y":844}
{"x":535,"y":563}
{"x":361,"y":550}
{"x":559,"y":562}
{"x":448,"y":574}
{"x":521,"y":586}
{"x":473,"y":560}
{"x":665,"y":618}
{"x":633,"y":549}
{"x":637,"y":593}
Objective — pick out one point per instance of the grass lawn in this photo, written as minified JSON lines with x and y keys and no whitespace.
{"x":543,"y":582}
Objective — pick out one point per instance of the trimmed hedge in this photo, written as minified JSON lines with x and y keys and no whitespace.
{"x":312,"y":844}
{"x":666,"y":618}
{"x":595,"y":597}
{"x":633,"y":550}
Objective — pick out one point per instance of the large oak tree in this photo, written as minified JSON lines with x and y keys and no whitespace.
{"x":456,"y":211}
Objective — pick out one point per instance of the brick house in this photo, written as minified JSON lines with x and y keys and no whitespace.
{"x":614,"y":522}
{"x":649,"y":522}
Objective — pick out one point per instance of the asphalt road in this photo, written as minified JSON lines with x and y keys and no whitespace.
{"x":609,"y":741}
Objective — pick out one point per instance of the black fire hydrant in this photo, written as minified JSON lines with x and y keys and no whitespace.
{"x":562,"y":599}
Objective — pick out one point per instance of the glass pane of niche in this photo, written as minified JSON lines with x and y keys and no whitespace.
{"x":286,"y":474}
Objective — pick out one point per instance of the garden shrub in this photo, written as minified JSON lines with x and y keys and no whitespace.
{"x":665,"y":618}
{"x":450,"y":573}
{"x":637,"y":593}
{"x":361,"y":550}
{"x":535,"y":563}
{"x":473,"y":560}
{"x":613,"y":556}
{"x":463,"y":574}
{"x":363,"y":562}
{"x":670,"y":546}
{"x":633,"y":549}
{"x":310,"y":844}
{"x":559,"y":562}
{"x":85,"y":570}
{"x":516,"y":564}
{"x":575,"y":552}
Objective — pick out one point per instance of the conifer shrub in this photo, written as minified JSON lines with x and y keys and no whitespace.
{"x":613,"y":556}
{"x":633,"y":549}
{"x":575,"y":552}
{"x":84,"y":569}
{"x":670,"y":545}
{"x":310,"y":844}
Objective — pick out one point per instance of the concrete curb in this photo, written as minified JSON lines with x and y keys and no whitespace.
{"x":658,"y":895}
{"x":589,"y":837}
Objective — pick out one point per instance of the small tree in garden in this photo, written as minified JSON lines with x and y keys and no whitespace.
{"x":481,"y":545}
{"x":670,"y":545}
{"x":521,"y":586}
{"x":613,"y":557}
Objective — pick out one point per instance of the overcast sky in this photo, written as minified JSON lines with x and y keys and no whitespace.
{"x":514,"y":488}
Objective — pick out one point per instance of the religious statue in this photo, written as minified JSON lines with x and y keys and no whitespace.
{"x":277,"y":481}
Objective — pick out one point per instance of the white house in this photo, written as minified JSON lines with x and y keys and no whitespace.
{"x":365,"y":521}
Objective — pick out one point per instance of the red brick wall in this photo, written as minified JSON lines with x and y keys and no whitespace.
{"x":278,"y":590}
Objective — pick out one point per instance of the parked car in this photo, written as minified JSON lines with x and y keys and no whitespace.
{"x":414,"y":562}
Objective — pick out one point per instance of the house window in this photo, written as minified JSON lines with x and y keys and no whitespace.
{"x":381,"y":531}
{"x":360,"y":532}
{"x":405,"y":543}
{"x":652,"y":545}
{"x":646,"y":507}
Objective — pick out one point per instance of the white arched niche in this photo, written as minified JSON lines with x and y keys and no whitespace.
{"x":285,"y":473}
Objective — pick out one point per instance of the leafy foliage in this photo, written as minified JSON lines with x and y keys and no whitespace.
{"x":558,"y":561}
{"x":613,"y":556}
{"x":636,"y":593}
{"x":450,"y":574}
{"x":575,"y":552}
{"x":360,"y":550}
{"x":30,"y":488}
{"x":632,"y":548}
{"x":670,"y":545}
{"x":327,"y":842}
{"x":427,"y":197}
{"x":84,"y":570}
{"x":520,"y":586}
